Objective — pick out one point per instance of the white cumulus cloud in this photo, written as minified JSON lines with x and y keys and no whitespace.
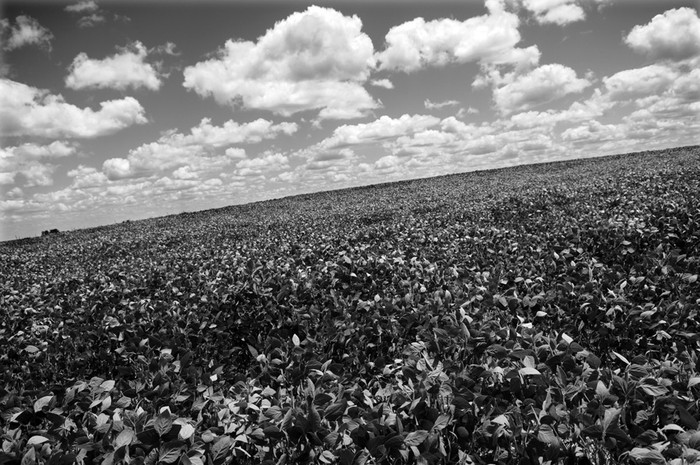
{"x":25,"y":31}
{"x":28,"y":111}
{"x":560,"y":12}
{"x":385,"y":83}
{"x":592,"y":131}
{"x":673,"y":35}
{"x":127,"y":68}
{"x":86,"y":6}
{"x":317,"y":59}
{"x":87,"y":177}
{"x":639,"y":82}
{"x":489,"y":38}
{"x":378,"y":130}
{"x":541,"y":85}
{"x":430,"y":105}
{"x":266,"y":163}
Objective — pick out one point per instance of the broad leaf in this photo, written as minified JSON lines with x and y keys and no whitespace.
{"x":163,"y":423}
{"x":125,"y":438}
{"x":35,"y":440}
{"x":546,"y":434}
{"x":415,"y":438}
{"x":650,"y":456}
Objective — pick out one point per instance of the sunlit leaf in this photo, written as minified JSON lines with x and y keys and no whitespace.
{"x":647,"y":456}
{"x":125,"y":438}
{"x":36,"y":440}
{"x":415,"y":438}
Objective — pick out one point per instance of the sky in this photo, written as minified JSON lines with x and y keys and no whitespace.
{"x":123,"y":110}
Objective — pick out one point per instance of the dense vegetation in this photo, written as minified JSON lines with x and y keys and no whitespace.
{"x":543,"y":313}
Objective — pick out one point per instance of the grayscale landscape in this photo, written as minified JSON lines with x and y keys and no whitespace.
{"x":387,"y":232}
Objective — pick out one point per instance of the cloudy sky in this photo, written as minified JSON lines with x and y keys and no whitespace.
{"x":118,"y":110}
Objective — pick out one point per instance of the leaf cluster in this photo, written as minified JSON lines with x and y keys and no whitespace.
{"x":544,"y":313}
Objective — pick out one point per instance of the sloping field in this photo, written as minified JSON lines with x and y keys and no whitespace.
{"x":539,"y":313}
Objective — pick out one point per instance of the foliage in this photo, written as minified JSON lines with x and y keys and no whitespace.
{"x":544,"y":313}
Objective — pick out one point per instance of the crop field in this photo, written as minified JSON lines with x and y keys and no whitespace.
{"x":538,"y":314}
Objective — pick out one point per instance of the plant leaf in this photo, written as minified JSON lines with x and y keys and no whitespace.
{"x":415,"y":438}
{"x":29,"y":458}
{"x":221,"y":447}
{"x":547,"y":435}
{"x":528,"y":371}
{"x":169,"y":453}
{"x":653,"y":390}
{"x":42,"y":402}
{"x":125,"y":438}
{"x":611,"y":417}
{"x":442,"y":421}
{"x":163,"y":423}
{"x":627,"y":362}
{"x":647,"y":456}
{"x":34,"y":440}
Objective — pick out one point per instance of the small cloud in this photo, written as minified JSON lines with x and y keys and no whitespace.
{"x":559,"y":12}
{"x":268,"y":162}
{"x":467,"y":111}
{"x":117,"y":168}
{"x":434,"y":105}
{"x":235,"y":153}
{"x":167,"y":48}
{"x":385,"y":83}
{"x":15,"y":192}
{"x":91,"y":14}
{"x":87,"y":6}
{"x":25,"y":31}
{"x":91,"y":20}
{"x":185,"y":172}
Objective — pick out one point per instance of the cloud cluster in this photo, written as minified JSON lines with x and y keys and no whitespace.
{"x":88,"y":12}
{"x":28,"y":111}
{"x":659,"y":101}
{"x":127,"y":68}
{"x":317,"y":59}
{"x":87,"y":177}
{"x":25,"y":31}
{"x":196,"y":150}
{"x":516,"y":80}
{"x":320,"y":61}
{"x":489,"y":38}
{"x":32,"y":162}
{"x":378,"y":130}
{"x":267,"y":162}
